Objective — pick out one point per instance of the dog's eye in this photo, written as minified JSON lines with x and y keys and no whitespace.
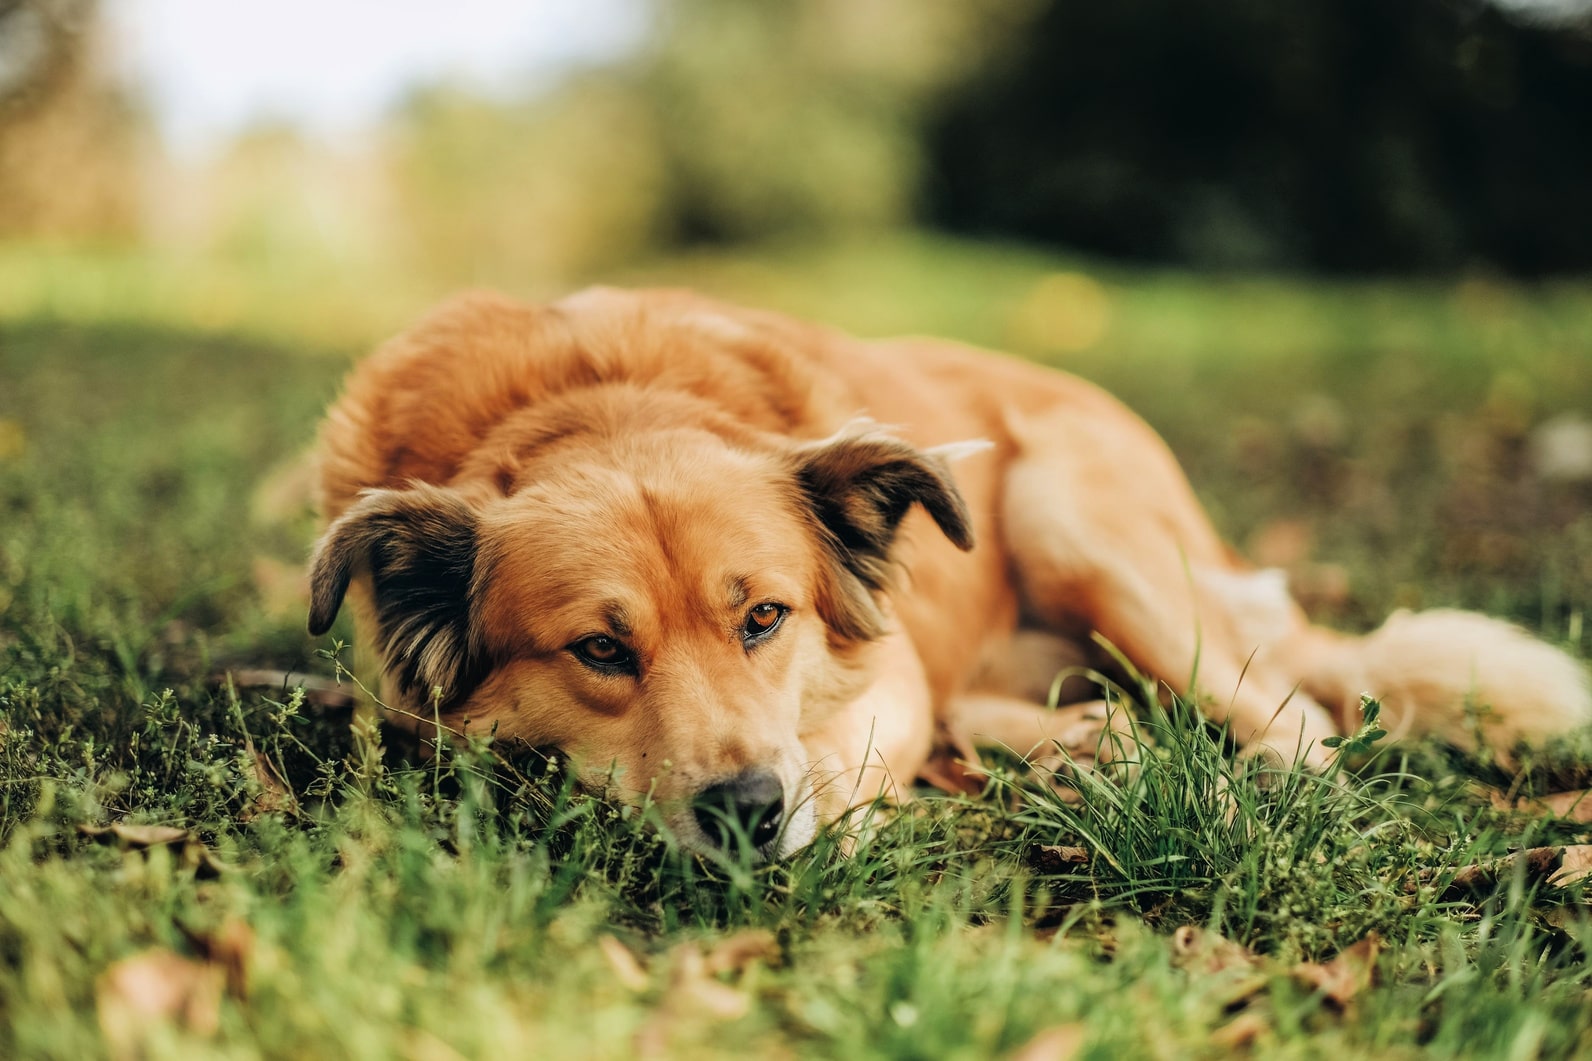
{"x":762,"y":621}
{"x":603,"y":653}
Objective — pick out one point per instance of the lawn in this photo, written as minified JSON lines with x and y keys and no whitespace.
{"x":204,"y":866}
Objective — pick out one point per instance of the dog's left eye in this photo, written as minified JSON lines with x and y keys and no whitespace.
{"x":762,"y":621}
{"x":603,"y":654}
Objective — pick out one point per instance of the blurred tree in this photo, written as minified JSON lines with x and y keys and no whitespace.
{"x":1353,"y":135}
{"x":742,"y":120}
{"x":805,"y":116}
{"x":546,"y":190}
{"x":68,"y":138}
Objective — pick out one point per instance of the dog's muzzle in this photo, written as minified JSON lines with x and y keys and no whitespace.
{"x":750,"y":804}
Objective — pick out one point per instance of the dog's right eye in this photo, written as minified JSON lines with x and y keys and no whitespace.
{"x":603,"y":654}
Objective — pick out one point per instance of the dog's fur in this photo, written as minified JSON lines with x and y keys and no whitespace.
{"x":504,"y":483}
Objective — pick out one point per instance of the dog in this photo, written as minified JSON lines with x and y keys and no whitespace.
{"x":756,"y":571}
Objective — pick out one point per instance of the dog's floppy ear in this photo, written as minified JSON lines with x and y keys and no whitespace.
{"x":860,"y":489}
{"x":419,"y":547}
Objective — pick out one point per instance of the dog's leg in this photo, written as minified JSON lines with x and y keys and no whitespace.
{"x":1051,"y":739}
{"x":1103,"y":528}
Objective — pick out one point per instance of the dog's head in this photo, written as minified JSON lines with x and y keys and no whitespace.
{"x":670,"y":610}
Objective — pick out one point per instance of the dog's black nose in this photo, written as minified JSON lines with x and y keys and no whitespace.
{"x":752,"y":801}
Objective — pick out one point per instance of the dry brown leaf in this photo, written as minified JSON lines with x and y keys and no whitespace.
{"x":1240,"y":1032}
{"x":627,"y":970}
{"x":719,"y":1001}
{"x":1540,"y":864}
{"x":137,"y":995}
{"x":1058,"y":858}
{"x":1203,"y":953}
{"x":954,"y":766}
{"x":137,"y":837}
{"x":1575,"y":806}
{"x":274,"y":797}
{"x":1344,"y":977}
{"x":1575,"y":867}
{"x":694,"y":990}
{"x":1059,"y":1043}
{"x":1196,"y":950}
{"x":953,"y":775}
{"x":734,"y":954}
{"x":192,"y":855}
{"x":693,"y":987}
{"x":230,"y":948}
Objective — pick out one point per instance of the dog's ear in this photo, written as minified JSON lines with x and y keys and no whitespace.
{"x":859,"y":489}
{"x":419,"y":547}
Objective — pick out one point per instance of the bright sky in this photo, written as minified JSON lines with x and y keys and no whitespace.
{"x":209,"y":67}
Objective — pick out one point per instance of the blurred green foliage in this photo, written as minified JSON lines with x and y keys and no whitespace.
{"x":70,"y":138}
{"x":738,"y":122}
{"x":733,"y":122}
{"x":1419,"y":134}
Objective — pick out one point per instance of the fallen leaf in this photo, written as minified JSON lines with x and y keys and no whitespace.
{"x":1576,"y":866}
{"x":192,"y":854}
{"x":1240,"y":1032}
{"x":1059,"y":1043}
{"x":1576,"y":805}
{"x":627,"y":970}
{"x":953,"y":775}
{"x":1196,"y":950}
{"x":137,"y":837}
{"x":1540,"y":863}
{"x":954,"y":766}
{"x":1058,"y":858}
{"x":693,"y":987}
{"x":274,"y":796}
{"x":1344,"y":977}
{"x":140,"y":994}
{"x":734,"y":954}
{"x":1207,"y":954}
{"x":229,"y":948}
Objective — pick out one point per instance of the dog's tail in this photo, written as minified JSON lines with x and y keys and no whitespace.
{"x":1463,"y":677}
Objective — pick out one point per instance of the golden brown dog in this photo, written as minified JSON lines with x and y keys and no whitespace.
{"x":651,"y":530}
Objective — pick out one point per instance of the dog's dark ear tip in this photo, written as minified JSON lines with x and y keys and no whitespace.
{"x":330,"y":570}
{"x":323,"y":612}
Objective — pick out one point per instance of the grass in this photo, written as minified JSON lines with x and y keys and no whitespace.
{"x":477,"y":906}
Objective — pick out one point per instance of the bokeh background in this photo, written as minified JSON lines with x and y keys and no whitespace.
{"x":538,"y":145}
{"x":1337,"y":253}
